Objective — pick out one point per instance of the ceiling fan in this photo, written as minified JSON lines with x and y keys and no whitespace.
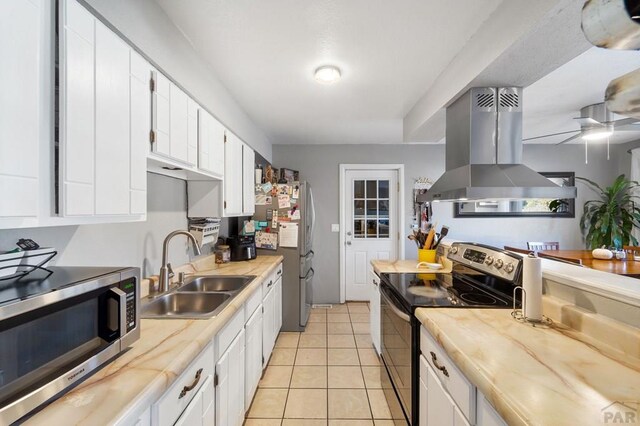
{"x":596,"y":123}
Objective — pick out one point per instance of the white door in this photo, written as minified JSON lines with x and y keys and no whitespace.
{"x":232,"y":176}
{"x":371,"y":231}
{"x":248,"y":179}
{"x":229,"y":394}
{"x":268,"y":325}
{"x":140,"y":104}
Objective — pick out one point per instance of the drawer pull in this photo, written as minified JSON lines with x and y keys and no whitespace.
{"x":270,"y":283}
{"x":186,"y":389}
{"x":279,"y":271}
{"x":442,"y":368}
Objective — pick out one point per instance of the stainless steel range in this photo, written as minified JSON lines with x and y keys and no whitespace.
{"x":482,"y":277}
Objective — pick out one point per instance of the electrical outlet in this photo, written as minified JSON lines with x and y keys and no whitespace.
{"x":335,"y":227}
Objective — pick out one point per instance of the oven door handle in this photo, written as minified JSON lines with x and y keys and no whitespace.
{"x":393,"y":307}
{"x":122,"y":309}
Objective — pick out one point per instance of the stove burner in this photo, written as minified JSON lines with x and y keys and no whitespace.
{"x":478,"y":299}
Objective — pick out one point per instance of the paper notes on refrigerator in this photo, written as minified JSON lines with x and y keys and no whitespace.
{"x":283,"y":201}
{"x":294,"y":214}
{"x":288,"y":235}
{"x":266,"y":240}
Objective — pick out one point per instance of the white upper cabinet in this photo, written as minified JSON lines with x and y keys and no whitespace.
{"x":77,"y":112}
{"x":112,"y":138}
{"x":210,"y":144}
{"x":239,"y":165}
{"x":140,"y":108}
{"x":19,"y":112}
{"x":179,"y":124}
{"x":161,"y":114}
{"x":104,"y":120}
{"x":233,"y":175}
{"x":248,"y":178}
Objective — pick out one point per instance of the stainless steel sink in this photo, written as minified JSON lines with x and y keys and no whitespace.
{"x":225,"y":283}
{"x":186,"y":305}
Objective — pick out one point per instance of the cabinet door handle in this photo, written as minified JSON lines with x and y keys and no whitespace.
{"x":270,"y":283}
{"x":186,"y":389}
{"x":442,"y":368}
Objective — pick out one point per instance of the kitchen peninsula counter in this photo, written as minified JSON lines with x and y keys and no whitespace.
{"x":126,"y":387}
{"x":538,"y":375}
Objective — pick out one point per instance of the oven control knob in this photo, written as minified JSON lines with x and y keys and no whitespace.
{"x":508,"y":267}
{"x":499,"y":263}
{"x":453,"y":250}
{"x":488,"y":260}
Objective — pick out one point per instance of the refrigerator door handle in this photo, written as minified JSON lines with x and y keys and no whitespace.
{"x":312,"y":272}
{"x":313,"y":212}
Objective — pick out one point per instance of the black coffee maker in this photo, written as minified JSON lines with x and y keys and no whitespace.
{"x":242,"y":247}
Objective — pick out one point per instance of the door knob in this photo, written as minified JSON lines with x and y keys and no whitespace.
{"x":349,"y":233}
{"x":348,"y":243}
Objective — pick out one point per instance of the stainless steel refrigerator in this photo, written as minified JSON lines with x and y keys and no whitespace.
{"x":297,"y":276}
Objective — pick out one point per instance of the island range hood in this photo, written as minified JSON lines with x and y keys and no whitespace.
{"x":484,"y":152}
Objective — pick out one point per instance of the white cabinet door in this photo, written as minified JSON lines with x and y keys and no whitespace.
{"x":269,"y":324}
{"x":19,"y":108}
{"x":77,"y":150}
{"x":192,"y":132}
{"x":232,"y":175}
{"x":140,"y":105}
{"x":161,"y":114}
{"x":179,"y":117}
{"x":278,"y":310}
{"x":210,"y":144}
{"x":374,"y":310}
{"x":253,"y":355}
{"x":229,"y":392}
{"x":248,"y":179}
{"x":440,"y":407}
{"x":487,"y":415}
{"x":112,"y":147}
{"x":200,"y":411}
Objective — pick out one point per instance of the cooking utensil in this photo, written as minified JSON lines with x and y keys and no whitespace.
{"x":429,"y":241}
{"x":443,"y":233}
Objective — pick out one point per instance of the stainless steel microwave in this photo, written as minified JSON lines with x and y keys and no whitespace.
{"x":59,"y":325}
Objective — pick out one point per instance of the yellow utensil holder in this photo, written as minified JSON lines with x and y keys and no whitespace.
{"x":426,"y":255}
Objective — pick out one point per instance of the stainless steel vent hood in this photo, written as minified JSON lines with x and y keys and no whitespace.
{"x":484,"y":152}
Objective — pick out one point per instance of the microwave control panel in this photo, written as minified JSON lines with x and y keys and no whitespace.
{"x":129,"y":287}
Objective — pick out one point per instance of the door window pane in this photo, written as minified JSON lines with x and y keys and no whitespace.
{"x":358,"y":189}
{"x":372,"y":210}
{"x":383,"y":187}
{"x":383,"y":229}
{"x":372,"y":189}
{"x":372,"y":228}
{"x":358,"y":228}
{"x":358,"y":208}
{"x":383,"y":208}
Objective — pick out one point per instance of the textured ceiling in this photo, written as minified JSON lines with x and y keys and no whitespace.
{"x":389,"y":52}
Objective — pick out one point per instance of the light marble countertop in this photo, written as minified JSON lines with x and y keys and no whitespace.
{"x":542,"y":376}
{"x":123,"y":389}
{"x":407,"y":266}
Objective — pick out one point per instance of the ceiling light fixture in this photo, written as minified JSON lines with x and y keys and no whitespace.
{"x":597,"y":134}
{"x":327,"y":74}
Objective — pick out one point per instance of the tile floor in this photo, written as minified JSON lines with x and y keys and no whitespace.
{"x":327,"y":375}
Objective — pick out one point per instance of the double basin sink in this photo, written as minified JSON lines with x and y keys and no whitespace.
{"x":198,"y":297}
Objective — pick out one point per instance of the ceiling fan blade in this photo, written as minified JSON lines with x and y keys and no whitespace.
{"x":588,"y":121}
{"x":549,"y":135}
{"x":627,"y":128}
{"x":623,"y":122}
{"x":570,"y":139}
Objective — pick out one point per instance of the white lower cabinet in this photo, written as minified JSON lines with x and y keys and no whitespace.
{"x":269,"y":324}
{"x":201,"y":409}
{"x":175,"y":401}
{"x":447,"y":398}
{"x":253,"y":355}
{"x":230,"y":373}
{"x":374,"y":310}
{"x":278,"y":313}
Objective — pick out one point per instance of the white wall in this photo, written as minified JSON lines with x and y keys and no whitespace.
{"x":125,"y":244}
{"x":147,"y":26}
{"x":319,"y":165}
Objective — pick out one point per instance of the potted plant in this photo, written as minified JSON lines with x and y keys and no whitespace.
{"x":609,"y":220}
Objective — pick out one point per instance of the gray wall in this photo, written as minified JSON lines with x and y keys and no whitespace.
{"x":319,"y":164}
{"x":145,"y":24}
{"x":120,"y":244}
